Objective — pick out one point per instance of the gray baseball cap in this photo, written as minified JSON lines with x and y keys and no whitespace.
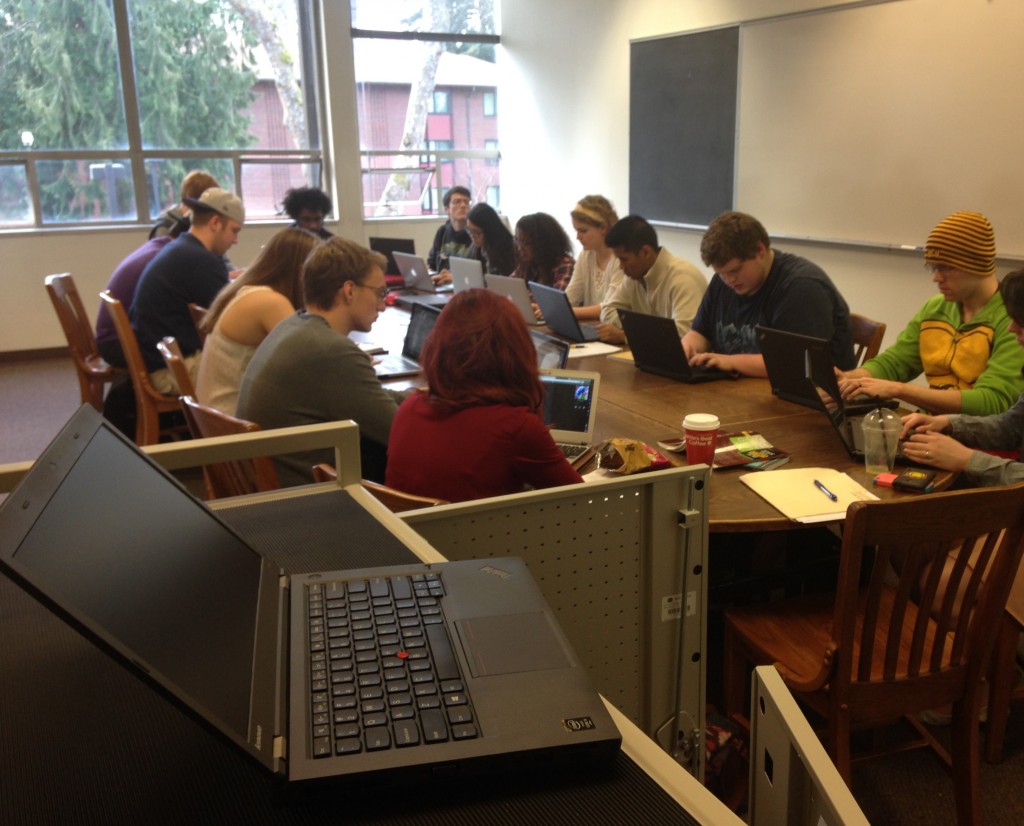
{"x":220,"y":201}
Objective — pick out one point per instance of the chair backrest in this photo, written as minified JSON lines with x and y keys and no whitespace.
{"x":229,"y":478}
{"x":923,"y":582}
{"x":198,"y":312}
{"x":395,"y":500}
{"x":129,"y":343}
{"x":149,"y":402}
{"x":73,"y":319}
{"x":175,"y":361}
{"x":867,"y":337}
{"x":93,"y":372}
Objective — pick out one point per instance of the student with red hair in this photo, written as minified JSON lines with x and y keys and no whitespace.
{"x":476,"y":430}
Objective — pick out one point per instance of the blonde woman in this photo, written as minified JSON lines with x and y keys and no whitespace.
{"x":597,"y":273}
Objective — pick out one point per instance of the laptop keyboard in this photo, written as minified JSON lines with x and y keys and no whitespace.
{"x":383,"y":674}
{"x":573,"y":452}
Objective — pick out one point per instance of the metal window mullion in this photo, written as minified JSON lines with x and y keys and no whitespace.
{"x":32,"y":183}
{"x":130,"y":100}
{"x":443,"y":37}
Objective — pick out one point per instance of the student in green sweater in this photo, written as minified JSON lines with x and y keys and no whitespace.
{"x":985,"y":449}
{"x":960,"y":340}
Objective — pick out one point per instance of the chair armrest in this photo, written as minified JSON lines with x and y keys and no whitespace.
{"x":342,"y":436}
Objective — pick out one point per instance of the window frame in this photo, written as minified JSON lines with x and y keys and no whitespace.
{"x":429,"y":160}
{"x":136,"y":157}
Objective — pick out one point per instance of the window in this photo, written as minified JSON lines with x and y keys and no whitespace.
{"x":439,"y":103}
{"x":120,"y":98}
{"x":421,"y":84}
{"x":490,"y":104}
{"x":491,"y":146}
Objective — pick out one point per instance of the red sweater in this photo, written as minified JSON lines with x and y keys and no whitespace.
{"x":472,"y":453}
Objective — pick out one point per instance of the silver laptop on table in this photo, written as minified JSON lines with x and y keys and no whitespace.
{"x":310,"y":675}
{"x":395,"y":365}
{"x":417,"y":275}
{"x":467,"y":274}
{"x":558,"y":315}
{"x":516,"y":291}
{"x":570,"y":411}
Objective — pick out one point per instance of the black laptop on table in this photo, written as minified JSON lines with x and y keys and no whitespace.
{"x":395,"y":365}
{"x":656,"y":347}
{"x":801,"y":370}
{"x":558,"y":315}
{"x":363,"y":677}
{"x":388,"y":247}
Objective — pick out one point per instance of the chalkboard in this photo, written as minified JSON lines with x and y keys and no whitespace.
{"x":860,"y":124}
{"x":682,"y":115}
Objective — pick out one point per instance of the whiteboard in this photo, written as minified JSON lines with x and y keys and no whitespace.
{"x":871,"y":123}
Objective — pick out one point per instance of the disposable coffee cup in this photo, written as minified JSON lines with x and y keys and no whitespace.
{"x":701,"y":433}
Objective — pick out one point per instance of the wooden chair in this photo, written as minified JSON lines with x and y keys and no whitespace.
{"x":899,"y":643}
{"x":228,"y":478}
{"x":1003,"y":688}
{"x":198,"y":313}
{"x":169,"y":348}
{"x":92,"y":371}
{"x":149,"y":402}
{"x":395,"y":500}
{"x":867,"y":337}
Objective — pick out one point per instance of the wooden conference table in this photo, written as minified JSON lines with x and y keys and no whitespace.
{"x":640,"y":405}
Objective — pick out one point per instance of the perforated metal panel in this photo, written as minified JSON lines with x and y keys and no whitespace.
{"x":620,"y":562}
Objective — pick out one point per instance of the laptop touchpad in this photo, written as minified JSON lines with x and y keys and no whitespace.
{"x":510,"y":644}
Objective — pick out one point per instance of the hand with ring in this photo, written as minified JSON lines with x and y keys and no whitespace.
{"x":934,"y":448}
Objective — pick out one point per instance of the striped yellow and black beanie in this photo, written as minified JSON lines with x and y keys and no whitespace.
{"x":964,"y":240}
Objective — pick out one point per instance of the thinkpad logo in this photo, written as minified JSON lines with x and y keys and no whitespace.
{"x":574,"y":724}
{"x":500,"y":574}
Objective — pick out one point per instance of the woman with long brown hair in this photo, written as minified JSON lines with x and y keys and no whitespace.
{"x":246,"y":310}
{"x":543,"y":251}
{"x":476,"y":430}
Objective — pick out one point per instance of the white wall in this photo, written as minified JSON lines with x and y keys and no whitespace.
{"x":565,"y":128}
{"x":564,"y":133}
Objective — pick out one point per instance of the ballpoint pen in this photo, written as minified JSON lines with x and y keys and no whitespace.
{"x":826,"y":491}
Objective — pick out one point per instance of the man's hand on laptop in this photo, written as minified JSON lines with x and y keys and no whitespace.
{"x":443,"y":277}
{"x":610,"y":334}
{"x":713,"y":361}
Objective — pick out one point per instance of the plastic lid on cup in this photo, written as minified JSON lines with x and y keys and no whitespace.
{"x":701,"y":421}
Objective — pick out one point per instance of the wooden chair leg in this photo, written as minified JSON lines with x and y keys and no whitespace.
{"x":965,"y":747}
{"x":1001,"y":680}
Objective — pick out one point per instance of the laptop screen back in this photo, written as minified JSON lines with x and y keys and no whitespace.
{"x":389,"y":246}
{"x":420,"y":324}
{"x":557,"y":311}
{"x":570,"y":404}
{"x":467,"y":273}
{"x":799,"y":367}
{"x":551,"y":352}
{"x":172,"y":589}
